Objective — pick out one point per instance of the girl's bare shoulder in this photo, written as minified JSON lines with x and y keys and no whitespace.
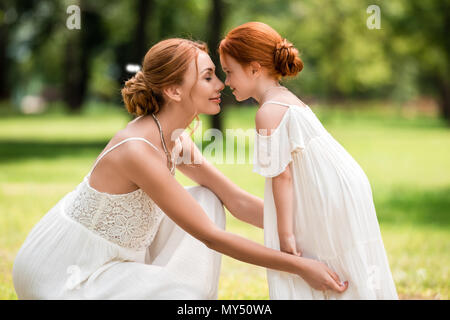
{"x":269,"y":117}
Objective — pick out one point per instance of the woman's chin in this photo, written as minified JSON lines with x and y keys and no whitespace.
{"x":212,"y":111}
{"x":217,"y":110}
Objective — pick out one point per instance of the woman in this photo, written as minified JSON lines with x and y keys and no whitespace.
{"x":130,"y":230}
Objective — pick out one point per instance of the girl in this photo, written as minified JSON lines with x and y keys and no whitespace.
{"x":129,"y":230}
{"x":317,"y":201}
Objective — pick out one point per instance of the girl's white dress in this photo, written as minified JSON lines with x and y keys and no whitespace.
{"x":95,"y":245}
{"x":334,"y":215}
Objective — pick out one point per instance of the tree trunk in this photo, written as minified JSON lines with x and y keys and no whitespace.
{"x":444,"y":101}
{"x":216,"y":19}
{"x":4,"y":87}
{"x":72,"y":73}
{"x":144,"y":9}
{"x":79,"y":49}
{"x":135,"y":50}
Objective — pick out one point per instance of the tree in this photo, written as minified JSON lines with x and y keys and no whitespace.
{"x":12,"y":16}
{"x":421,"y":33}
{"x":215,"y":25}
{"x":132,"y":49}
{"x":81,"y":45}
{"x":4,"y":61}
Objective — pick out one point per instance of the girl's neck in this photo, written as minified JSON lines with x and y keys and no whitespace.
{"x":265,"y":89}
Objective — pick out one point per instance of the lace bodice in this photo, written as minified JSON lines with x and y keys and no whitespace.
{"x":130,"y":220}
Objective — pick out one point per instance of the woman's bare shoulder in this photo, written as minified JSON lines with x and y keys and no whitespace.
{"x":131,"y":148}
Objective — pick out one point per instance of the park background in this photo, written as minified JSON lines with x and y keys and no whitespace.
{"x":383,"y":93}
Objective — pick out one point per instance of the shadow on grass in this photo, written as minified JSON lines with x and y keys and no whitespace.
{"x":419,"y":207}
{"x":24,"y":150}
{"x":403,"y":205}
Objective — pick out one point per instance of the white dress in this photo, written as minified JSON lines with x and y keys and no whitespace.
{"x":334,"y":215}
{"x":95,"y":245}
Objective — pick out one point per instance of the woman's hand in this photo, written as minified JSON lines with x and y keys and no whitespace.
{"x":320,"y":277}
{"x":288,"y":245}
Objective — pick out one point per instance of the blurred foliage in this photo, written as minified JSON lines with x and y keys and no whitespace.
{"x":344,"y":59}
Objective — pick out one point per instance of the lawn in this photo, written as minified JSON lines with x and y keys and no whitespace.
{"x":405,"y":155}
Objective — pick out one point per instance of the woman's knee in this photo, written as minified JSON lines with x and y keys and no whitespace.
{"x":210,"y":203}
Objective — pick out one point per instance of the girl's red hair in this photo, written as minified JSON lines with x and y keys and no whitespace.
{"x":256,"y":41}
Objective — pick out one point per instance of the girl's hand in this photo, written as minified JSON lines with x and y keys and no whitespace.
{"x":320,"y":277}
{"x":288,"y":245}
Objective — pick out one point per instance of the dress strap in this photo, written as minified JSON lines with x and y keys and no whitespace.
{"x":277,"y":102}
{"x":118,"y":144}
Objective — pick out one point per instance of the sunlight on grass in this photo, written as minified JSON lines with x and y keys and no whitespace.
{"x":406,"y":160}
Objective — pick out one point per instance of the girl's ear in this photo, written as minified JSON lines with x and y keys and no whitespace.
{"x":173,"y":93}
{"x":255,"y":68}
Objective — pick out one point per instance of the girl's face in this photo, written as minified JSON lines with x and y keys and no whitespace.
{"x":238,"y":78}
{"x":202,"y":87}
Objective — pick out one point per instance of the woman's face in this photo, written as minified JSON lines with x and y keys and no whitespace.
{"x":202,"y":85}
{"x":238,"y":78}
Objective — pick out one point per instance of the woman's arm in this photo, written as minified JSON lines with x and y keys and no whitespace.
{"x":241,"y":204}
{"x":147,"y":169}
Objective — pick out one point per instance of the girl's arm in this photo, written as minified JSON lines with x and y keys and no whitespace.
{"x":147,"y":169}
{"x":268,"y":119}
{"x":283,"y":197}
{"x":241,"y":204}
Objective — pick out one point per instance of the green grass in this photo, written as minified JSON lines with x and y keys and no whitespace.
{"x":42,"y":157}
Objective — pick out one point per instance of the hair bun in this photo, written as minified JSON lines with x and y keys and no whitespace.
{"x":286,"y":59}
{"x":139,"y":98}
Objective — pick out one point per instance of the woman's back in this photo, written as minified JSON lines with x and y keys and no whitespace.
{"x":128,"y":219}
{"x":107,"y":176}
